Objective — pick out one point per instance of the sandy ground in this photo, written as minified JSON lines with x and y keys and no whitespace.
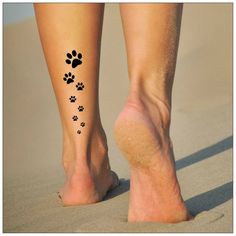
{"x":201,"y":129}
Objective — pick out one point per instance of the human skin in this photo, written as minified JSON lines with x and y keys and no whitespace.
{"x":142,"y":128}
{"x":63,"y":28}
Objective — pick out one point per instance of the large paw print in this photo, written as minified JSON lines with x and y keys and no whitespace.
{"x":72,"y":98}
{"x":69,"y":78}
{"x":72,"y":57}
{"x":80,"y":108}
{"x":80,"y":86}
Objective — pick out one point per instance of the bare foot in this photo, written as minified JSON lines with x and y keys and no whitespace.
{"x":142,"y":134}
{"x":88,"y":173}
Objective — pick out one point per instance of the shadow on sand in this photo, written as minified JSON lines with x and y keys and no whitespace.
{"x":122,"y":188}
{"x":204,"y":201}
{"x":210,"y":199}
{"x":205,"y":153}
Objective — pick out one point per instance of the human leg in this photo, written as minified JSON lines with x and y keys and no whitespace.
{"x":71,"y":37}
{"x":142,"y":128}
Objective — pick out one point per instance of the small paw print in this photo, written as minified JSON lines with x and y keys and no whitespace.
{"x":80,"y":86}
{"x":72,"y":99}
{"x":80,"y":108}
{"x":75,"y":118}
{"x":69,"y":78}
{"x":78,"y":131}
{"x":72,"y":57}
{"x":82,"y":124}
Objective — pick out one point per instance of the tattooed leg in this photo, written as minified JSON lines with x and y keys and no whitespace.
{"x":71,"y":35}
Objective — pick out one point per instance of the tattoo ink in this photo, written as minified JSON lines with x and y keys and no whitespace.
{"x":80,"y":108}
{"x":80,"y":86}
{"x":82,"y":124}
{"x":72,"y":99}
{"x":69,"y":78}
{"x":71,"y":59}
{"x":74,"y":59}
{"x":75,"y":118}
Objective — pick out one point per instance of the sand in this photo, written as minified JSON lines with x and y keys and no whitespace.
{"x":201,"y":129}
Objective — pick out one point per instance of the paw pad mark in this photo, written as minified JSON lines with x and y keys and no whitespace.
{"x":72,"y":99}
{"x":73,"y":60}
{"x":82,"y":124}
{"x":75,"y":118}
{"x":78,"y":131}
{"x":80,"y":108}
{"x":80,"y":86}
{"x":69,"y":78}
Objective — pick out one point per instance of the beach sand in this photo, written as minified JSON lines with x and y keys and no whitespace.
{"x":201,"y":129}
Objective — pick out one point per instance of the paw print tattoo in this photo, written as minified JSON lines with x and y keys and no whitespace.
{"x":82,"y":124}
{"x":69,"y":78}
{"x":80,"y":86}
{"x":72,"y":99}
{"x":72,"y":57}
{"x":80,"y":108}
{"x":75,"y":118}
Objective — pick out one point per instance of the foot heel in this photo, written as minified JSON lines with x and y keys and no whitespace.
{"x":136,"y":141}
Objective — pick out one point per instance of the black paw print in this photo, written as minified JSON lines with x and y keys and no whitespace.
{"x":75,"y":118}
{"x":78,"y":131}
{"x":80,"y":86}
{"x":72,"y":99}
{"x":80,"y":108}
{"x":72,"y":57}
{"x":69,"y":78}
{"x":82,"y":124}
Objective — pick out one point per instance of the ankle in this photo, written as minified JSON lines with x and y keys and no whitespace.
{"x":86,"y":149}
{"x":152,"y":85}
{"x":150,"y":105}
